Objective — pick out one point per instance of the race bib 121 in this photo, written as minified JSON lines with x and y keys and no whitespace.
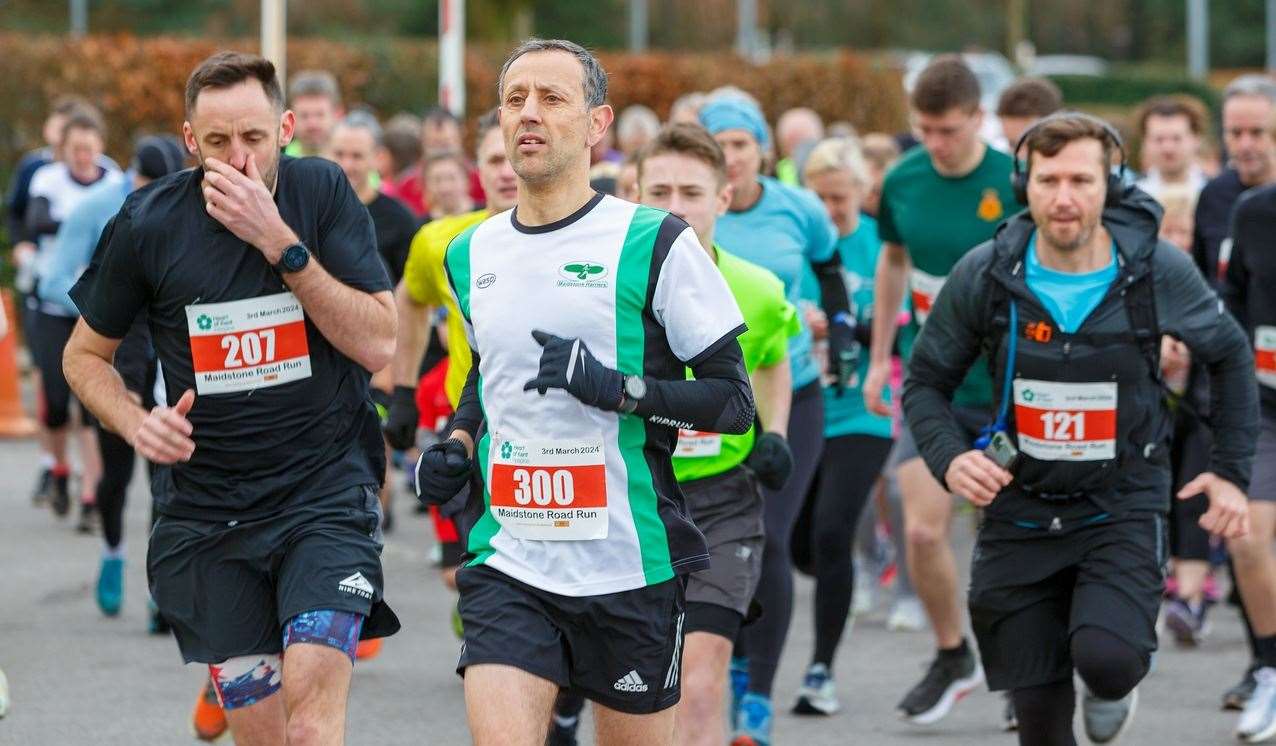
{"x":1066,"y":421}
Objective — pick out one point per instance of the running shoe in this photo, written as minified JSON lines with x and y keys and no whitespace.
{"x":43,"y":488}
{"x":739,"y":673}
{"x":368,"y":649}
{"x":1009,"y":719}
{"x":4,"y":694}
{"x":110,"y":585}
{"x":1236,"y":697}
{"x":818,"y":695}
{"x":1258,"y":719}
{"x":754,"y":727}
{"x":907,"y":615}
{"x":1107,"y":719}
{"x":60,"y":500}
{"x":949,"y":678}
{"x":1187,"y":624}
{"x":208,"y":720}
{"x":562,"y":730}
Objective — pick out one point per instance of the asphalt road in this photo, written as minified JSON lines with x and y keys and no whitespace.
{"x":79,"y":679}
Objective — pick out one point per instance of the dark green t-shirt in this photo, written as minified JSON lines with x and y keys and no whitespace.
{"x":938,"y":219}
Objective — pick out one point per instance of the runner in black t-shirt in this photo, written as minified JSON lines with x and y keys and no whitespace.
{"x":267,"y":314}
{"x":353,"y":146}
{"x":1249,"y":105}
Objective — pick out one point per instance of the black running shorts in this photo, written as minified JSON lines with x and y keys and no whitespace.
{"x":1030,"y":589}
{"x":228,"y":588}
{"x":622,"y":650}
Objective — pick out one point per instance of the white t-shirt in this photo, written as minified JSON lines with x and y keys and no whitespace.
{"x":579,"y":501}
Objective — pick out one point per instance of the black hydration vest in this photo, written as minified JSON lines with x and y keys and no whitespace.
{"x":1084,"y":408}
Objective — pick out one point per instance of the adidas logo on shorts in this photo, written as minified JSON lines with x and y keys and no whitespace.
{"x":356,"y":584}
{"x":630,"y":682}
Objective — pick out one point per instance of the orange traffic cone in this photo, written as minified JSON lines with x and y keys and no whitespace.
{"x":14,"y":422}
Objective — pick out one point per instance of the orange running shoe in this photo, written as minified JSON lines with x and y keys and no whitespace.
{"x":208,"y":721}
{"x":368,"y":649}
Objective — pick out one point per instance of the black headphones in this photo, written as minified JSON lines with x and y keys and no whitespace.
{"x":1116,"y":181}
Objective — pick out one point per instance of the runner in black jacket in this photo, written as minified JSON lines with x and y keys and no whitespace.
{"x":1068,"y":564}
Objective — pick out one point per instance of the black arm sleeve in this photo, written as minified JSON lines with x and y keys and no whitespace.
{"x":39,"y":219}
{"x":945,"y":349}
{"x":469,"y":411}
{"x":718,"y":400}
{"x":1189,"y":310}
{"x":833,"y":296}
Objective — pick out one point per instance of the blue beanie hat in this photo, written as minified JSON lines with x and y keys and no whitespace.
{"x":734,"y":113}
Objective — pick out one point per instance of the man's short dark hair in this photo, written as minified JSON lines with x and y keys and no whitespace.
{"x":1030,"y":98}
{"x":315,"y":83}
{"x":592,"y":73}
{"x":447,"y":156}
{"x":690,"y":140}
{"x":437,"y":115}
{"x":226,"y":69}
{"x":401,"y":136}
{"x":486,"y":123}
{"x":1050,"y":136}
{"x":83,"y":119}
{"x":1174,"y":106}
{"x":946,"y":83}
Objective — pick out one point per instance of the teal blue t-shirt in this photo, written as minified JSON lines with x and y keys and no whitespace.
{"x":1068,"y":296}
{"x":786,"y":231}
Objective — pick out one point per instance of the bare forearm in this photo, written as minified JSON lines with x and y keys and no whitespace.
{"x":361,"y":325}
{"x":99,"y":388}
{"x":888,"y":294}
{"x":413,"y":335}
{"x":773,"y":396}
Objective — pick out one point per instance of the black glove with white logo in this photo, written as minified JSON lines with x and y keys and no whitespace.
{"x":401,"y":422}
{"x":844,"y":351}
{"x":442,"y":471}
{"x":771,"y":460}
{"x":568,"y":364}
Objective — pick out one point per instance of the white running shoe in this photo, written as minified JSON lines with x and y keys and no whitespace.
{"x":1258,"y":719}
{"x":907,"y":615}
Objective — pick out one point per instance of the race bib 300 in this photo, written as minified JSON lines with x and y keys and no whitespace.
{"x":553,"y":490}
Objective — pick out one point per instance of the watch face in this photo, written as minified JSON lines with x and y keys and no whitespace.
{"x":295,"y":257}
{"x":635,"y":387}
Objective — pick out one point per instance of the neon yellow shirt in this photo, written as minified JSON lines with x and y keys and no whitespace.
{"x":426,"y":282}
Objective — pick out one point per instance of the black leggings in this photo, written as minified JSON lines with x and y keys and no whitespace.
{"x":1110,"y":668}
{"x":112,"y":491}
{"x":50,"y":337}
{"x":764,"y":639}
{"x":847,"y":473}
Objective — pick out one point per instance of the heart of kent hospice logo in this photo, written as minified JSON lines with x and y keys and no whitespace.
{"x":581,"y":274}
{"x":204,"y":322}
{"x":506,"y":449}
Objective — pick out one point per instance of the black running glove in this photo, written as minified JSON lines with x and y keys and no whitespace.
{"x":568,"y":364}
{"x":442,"y":471}
{"x":771,"y":460}
{"x":844,"y":351}
{"x":400,"y":425}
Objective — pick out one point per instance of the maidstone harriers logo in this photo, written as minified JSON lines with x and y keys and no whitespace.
{"x":581,"y":274}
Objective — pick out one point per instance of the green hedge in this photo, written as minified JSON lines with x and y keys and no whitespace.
{"x":1125,"y":90}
